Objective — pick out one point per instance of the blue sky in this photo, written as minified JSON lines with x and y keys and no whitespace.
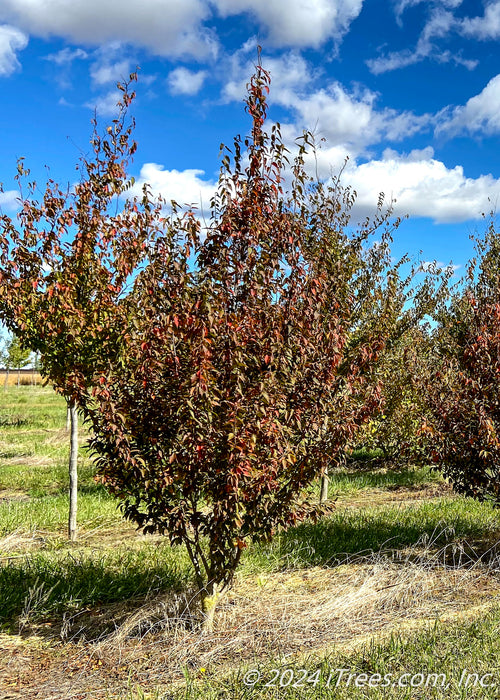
{"x":408,"y":89}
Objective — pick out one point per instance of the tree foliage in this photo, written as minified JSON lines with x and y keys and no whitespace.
{"x":222,"y":368}
{"x":253,"y":360}
{"x":67,"y":260}
{"x":395,"y":431}
{"x":13,"y":355}
{"x":462,"y":391}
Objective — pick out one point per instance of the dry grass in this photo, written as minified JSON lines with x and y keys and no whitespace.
{"x":280,"y":616}
{"x":21,"y":541}
{"x":404,"y":495}
{"x":25,"y":378}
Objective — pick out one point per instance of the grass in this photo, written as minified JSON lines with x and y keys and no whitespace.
{"x":427,"y":659}
{"x":50,"y":513}
{"x":382,"y":528}
{"x":378,"y":587}
{"x":50,"y":583}
{"x":348,"y":482}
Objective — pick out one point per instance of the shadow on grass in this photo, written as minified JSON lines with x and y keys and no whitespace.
{"x":361,"y":478}
{"x":53,"y":585}
{"x":348,"y":532}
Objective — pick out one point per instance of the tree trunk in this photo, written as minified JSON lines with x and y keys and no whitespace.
{"x":323,"y":494}
{"x":18,"y":377}
{"x":73,"y":472}
{"x":6,"y":380}
{"x":210,"y":596}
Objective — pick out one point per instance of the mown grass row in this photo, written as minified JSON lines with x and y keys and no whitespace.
{"x":444,"y":660}
{"x":85,"y":577}
{"x":51,"y":579}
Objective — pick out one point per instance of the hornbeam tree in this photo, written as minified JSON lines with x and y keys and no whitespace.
{"x":252,"y":361}
{"x":66,"y":262}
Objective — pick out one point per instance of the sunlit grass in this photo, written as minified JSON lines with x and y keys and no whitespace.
{"x":367,"y":530}
{"x":462,"y":658}
{"x":347,"y":482}
{"x":50,"y":513}
{"x":44,"y":580}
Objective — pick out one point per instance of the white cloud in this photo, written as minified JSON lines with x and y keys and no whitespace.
{"x":66,"y":56}
{"x":106,"y":105}
{"x":186,"y":187}
{"x":422,"y":186}
{"x":393,"y":61}
{"x":439,"y":26}
{"x":104,"y":73}
{"x":289,"y":74}
{"x":178,"y":28}
{"x":346,"y":118}
{"x":481,"y":114}
{"x":400,"y":6}
{"x":485,"y":27}
{"x":182,"y":81}
{"x":166,"y":27}
{"x":297,"y":23}
{"x":351,"y":124}
{"x":11,"y":41}
{"x":9,"y":200}
{"x":351,"y":118}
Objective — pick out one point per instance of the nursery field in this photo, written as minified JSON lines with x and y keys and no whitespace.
{"x":24,"y":377}
{"x":395,"y":595}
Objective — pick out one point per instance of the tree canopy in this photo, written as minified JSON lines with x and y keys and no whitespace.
{"x":222,"y":368}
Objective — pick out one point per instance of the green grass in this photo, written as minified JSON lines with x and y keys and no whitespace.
{"x":51,"y":480}
{"x":54,"y":579}
{"x":56,"y":583}
{"x":64,"y":578}
{"x":33,"y":407}
{"x":34,"y":446}
{"x":34,"y":465}
{"x":348,"y":482}
{"x":385,"y":528}
{"x":442,"y":648}
{"x":373,"y":529}
{"x":50,"y":513}
{"x":326,"y":543}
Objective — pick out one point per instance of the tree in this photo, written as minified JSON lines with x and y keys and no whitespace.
{"x":395,"y":431}
{"x":463,"y":410}
{"x":221,"y":370}
{"x":14,"y":356}
{"x":252,"y":362}
{"x":66,"y":263}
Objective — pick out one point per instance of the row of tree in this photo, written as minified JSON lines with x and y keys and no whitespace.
{"x":13,"y":356}
{"x":223,"y":369}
